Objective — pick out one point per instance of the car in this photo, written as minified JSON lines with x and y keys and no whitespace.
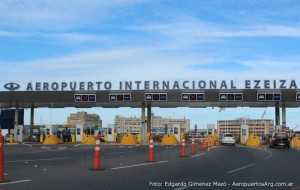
{"x":228,"y":138}
{"x":280,"y":139}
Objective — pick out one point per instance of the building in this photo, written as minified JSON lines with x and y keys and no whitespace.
{"x":90,"y":120}
{"x":133,"y":124}
{"x":257,"y":127}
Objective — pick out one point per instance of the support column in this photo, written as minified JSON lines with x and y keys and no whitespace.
{"x":149,"y":118}
{"x":31,"y":124}
{"x":143,"y":126}
{"x":16,"y":122}
{"x":277,"y":115}
{"x":283,"y":115}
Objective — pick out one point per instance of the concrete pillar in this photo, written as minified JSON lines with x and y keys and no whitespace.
{"x":283,"y":115}
{"x":143,"y":126}
{"x":16,"y":122}
{"x":277,"y":115}
{"x":149,"y":118}
{"x":31,"y":123}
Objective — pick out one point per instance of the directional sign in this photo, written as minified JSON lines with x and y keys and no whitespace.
{"x":231,"y":97}
{"x":156,"y":97}
{"x":85,"y":97}
{"x":119,"y":97}
{"x":268,"y":96}
{"x":192,"y":97}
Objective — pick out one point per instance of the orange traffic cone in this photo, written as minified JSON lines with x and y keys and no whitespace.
{"x":193,"y":146}
{"x":183,"y":150}
{"x":201,"y":145}
{"x":151,"y":150}
{"x":97,"y":154}
{"x":206,"y":143}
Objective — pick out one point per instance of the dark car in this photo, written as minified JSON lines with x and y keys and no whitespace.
{"x":280,"y":139}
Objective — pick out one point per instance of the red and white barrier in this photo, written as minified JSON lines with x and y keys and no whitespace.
{"x":151,"y":150}
{"x":193,"y":146}
{"x":97,"y":154}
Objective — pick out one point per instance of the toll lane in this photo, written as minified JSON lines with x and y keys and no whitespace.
{"x":126,"y":167}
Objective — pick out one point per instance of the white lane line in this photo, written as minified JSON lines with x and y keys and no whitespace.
{"x":62,"y":148}
{"x":241,"y":168}
{"x":13,"y":182}
{"x":213,"y":147}
{"x":131,"y":166}
{"x":27,"y":144}
{"x":197,"y":155}
{"x":181,"y":188}
{"x":296,"y":188}
{"x":48,"y":159}
{"x":45,"y":148}
{"x":120,"y":152}
{"x":268,"y":157}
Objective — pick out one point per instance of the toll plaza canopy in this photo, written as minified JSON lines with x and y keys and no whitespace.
{"x":153,"y":98}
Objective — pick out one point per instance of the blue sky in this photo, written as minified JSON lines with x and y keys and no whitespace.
{"x":118,"y":40}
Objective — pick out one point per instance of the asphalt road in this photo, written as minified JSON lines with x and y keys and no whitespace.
{"x":63,"y":167}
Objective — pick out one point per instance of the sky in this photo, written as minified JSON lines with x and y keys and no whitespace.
{"x":124,"y":40}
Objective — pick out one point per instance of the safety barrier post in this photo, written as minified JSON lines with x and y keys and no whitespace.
{"x":183,"y":150}
{"x":201,"y":145}
{"x":1,"y":157}
{"x":151,"y":150}
{"x":210,"y":142}
{"x":206,"y":143}
{"x":97,"y":154}
{"x":193,"y":145}
{"x":11,"y":138}
{"x":298,"y":142}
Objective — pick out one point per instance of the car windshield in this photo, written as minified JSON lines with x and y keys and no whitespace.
{"x":228,"y":135}
{"x":281,"y":135}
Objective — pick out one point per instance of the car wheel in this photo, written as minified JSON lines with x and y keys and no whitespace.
{"x":233,"y":144}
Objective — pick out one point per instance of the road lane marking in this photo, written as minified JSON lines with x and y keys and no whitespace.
{"x":131,"y":166}
{"x":120,"y":152}
{"x":213,"y":147}
{"x":13,"y":182}
{"x":62,"y":148}
{"x":241,"y":168}
{"x":268,"y":157}
{"x":197,"y":155}
{"x":181,"y":188}
{"x":296,"y":188}
{"x":48,"y":159}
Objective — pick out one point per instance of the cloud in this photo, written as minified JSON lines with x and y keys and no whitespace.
{"x":57,"y":16}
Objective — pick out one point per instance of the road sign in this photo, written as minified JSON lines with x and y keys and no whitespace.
{"x":230,"y":96}
{"x":192,"y":97}
{"x":119,"y":97}
{"x":156,"y":97}
{"x":261,"y":96}
{"x":85,"y":97}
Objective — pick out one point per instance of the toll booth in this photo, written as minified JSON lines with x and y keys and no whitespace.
{"x":51,"y":130}
{"x":80,"y":128}
{"x":176,"y":131}
{"x":22,"y":133}
{"x":210,"y":129}
{"x":244,"y":133}
{"x":278,"y":128}
{"x":111,"y":133}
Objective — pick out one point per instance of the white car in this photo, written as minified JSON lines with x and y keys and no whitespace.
{"x":228,"y":138}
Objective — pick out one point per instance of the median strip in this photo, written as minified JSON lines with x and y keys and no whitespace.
{"x":131,"y":166}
